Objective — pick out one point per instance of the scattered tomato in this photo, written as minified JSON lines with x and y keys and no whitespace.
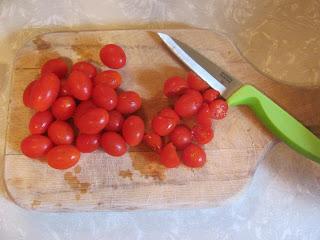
{"x":169,"y":156}
{"x":128,"y":102}
{"x":56,"y":66}
{"x":60,"y":132}
{"x":26,"y":94}
{"x":87,"y":143}
{"x":93,"y":121}
{"x":104,"y":96}
{"x":115,"y":121}
{"x":153,"y":141}
{"x":63,"y":156}
{"x":193,"y":156}
{"x":195,"y":82}
{"x":35,"y":146}
{"x":203,"y":116}
{"x":63,"y":108}
{"x":201,"y":134}
{"x":86,"y":68}
{"x":133,"y":130}
{"x":40,"y":121}
{"x":111,"y":78}
{"x":210,"y":94}
{"x":113,"y":144}
{"x":175,"y":86}
{"x":163,"y":126}
{"x":79,"y":85}
{"x":181,"y":136}
{"x":188,"y":104}
{"x":218,"y":108}
{"x":113,"y":56}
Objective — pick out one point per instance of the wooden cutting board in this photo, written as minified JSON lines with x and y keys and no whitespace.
{"x":137,"y":180}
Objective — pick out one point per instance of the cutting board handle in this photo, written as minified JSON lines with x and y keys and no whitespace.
{"x":278,"y":121}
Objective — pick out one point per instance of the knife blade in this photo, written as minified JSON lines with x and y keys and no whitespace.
{"x":277,"y":120}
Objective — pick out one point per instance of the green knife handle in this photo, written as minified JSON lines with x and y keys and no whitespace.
{"x":278,"y":121}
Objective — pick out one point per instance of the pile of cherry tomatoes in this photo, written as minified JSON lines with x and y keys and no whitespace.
{"x":193,"y":98}
{"x":80,"y":110}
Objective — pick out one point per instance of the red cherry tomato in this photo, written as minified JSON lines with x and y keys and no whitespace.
{"x":203,"y":116}
{"x":202,"y":135}
{"x":113,"y":144}
{"x":56,"y":66}
{"x":188,"y":104}
{"x":196,"y":82}
{"x":40,"y":121}
{"x":63,"y":108}
{"x":175,"y":86}
{"x":113,"y":56}
{"x":115,"y":121}
{"x":162,"y":125}
{"x":44,"y":92}
{"x":133,"y":130}
{"x":63,"y":156}
{"x":128,"y":102}
{"x":86,"y":68}
{"x":112,"y":78}
{"x":35,"y":146}
{"x":80,"y":85}
{"x":169,"y":156}
{"x":153,"y":141}
{"x":93,"y":121}
{"x":218,"y":108}
{"x":60,"y":132}
{"x":193,"y":156}
{"x":81,"y":109}
{"x":87,"y":143}
{"x":170,"y":113}
{"x":181,"y":137}
{"x":26,"y":94}
{"x":104,"y":96}
{"x":64,"y":89}
{"x":210,"y":94}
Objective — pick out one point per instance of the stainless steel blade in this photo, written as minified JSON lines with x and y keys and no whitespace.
{"x":215,"y":76}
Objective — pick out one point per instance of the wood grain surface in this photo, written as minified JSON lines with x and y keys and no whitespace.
{"x":137,"y":180}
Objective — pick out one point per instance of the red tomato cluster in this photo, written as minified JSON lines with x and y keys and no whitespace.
{"x":81,"y":110}
{"x":193,"y":99}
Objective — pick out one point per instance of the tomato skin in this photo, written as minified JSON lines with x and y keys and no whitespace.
{"x":110,"y":77}
{"x":169,"y":156}
{"x":181,"y":137}
{"x":175,"y":86}
{"x":113,"y":56}
{"x":203,"y":116}
{"x":115,"y":121}
{"x":193,"y":156}
{"x":113,"y":144}
{"x":80,"y":85}
{"x":63,"y":156}
{"x":195,"y":82}
{"x":201,"y":134}
{"x":104,"y":96}
{"x":35,"y":146}
{"x":63,"y":108}
{"x":133,"y":130}
{"x":44,"y":92}
{"x":218,"y":108}
{"x":163,"y":126}
{"x":128,"y":102}
{"x":56,"y":66}
{"x":85,"y":67}
{"x":210,"y":95}
{"x":93,"y":121}
{"x":170,"y":113}
{"x":26,"y":94}
{"x":60,"y":132}
{"x":81,"y":109}
{"x":153,"y":141}
{"x":40,"y":121}
{"x":87,"y":143}
{"x":64,"y":89}
{"x":188,"y":104}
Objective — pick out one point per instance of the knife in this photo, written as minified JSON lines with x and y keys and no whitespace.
{"x":277,"y":120}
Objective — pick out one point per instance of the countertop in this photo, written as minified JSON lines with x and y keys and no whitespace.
{"x":280,"y":38}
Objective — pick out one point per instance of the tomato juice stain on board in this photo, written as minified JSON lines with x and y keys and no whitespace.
{"x":75,"y":184}
{"x":126,"y":174}
{"x":41,"y":44}
{"x":88,"y":52}
{"x":35,"y":203}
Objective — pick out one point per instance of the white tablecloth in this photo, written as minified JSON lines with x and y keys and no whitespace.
{"x":283,"y":201}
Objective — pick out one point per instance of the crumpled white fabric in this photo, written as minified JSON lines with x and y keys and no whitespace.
{"x":283,"y":201}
